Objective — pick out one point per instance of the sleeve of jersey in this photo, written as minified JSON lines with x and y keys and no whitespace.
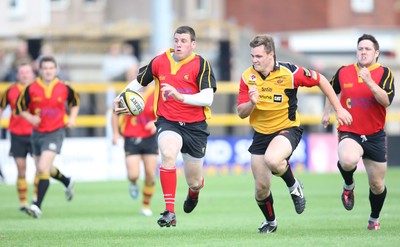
{"x":145,"y":75}
{"x":73,"y":97}
{"x":243,"y":92}
{"x":206,"y":78}
{"x":3,"y":100}
{"x":304,"y":77}
{"x":335,"y":83}
{"x":23,"y":101}
{"x":387,"y":83}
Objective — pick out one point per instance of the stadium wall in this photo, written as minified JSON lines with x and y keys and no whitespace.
{"x":96,"y":159}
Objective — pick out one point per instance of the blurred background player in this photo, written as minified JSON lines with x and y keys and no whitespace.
{"x":43,"y":103}
{"x":185,"y":85}
{"x":140,"y":144}
{"x":20,"y":131}
{"x":119,"y":60}
{"x":268,"y":95}
{"x":366,"y":89}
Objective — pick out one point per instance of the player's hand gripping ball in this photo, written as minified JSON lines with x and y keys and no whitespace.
{"x":133,"y":101}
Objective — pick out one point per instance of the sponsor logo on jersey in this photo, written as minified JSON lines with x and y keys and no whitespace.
{"x":278,"y":98}
{"x":348,"y":85}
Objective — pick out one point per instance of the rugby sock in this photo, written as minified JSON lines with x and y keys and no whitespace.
{"x":35,"y":187}
{"x":43,"y":185}
{"x":194,"y":194}
{"x":168,"y":183}
{"x":347,"y":175}
{"x":147,"y":191}
{"x":288,"y":176}
{"x":267,"y":207}
{"x":56,"y":174}
{"x":22,"y":188}
{"x":376,"y":202}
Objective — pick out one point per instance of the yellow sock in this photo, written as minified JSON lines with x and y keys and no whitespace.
{"x":22,"y":188}
{"x":148,"y":191}
{"x":35,"y":185}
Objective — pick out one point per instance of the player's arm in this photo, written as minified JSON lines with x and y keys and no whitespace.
{"x":326,"y":117}
{"x":207,"y":87}
{"x":115,"y":128}
{"x":144,"y":77}
{"x":21,"y":108}
{"x":245,"y":109}
{"x":72,"y":116}
{"x":133,"y":86}
{"x":203,"y":98}
{"x":342,"y":115}
{"x":74,"y":103}
{"x":379,"y":93}
{"x":247,"y":99}
{"x":3,"y":102}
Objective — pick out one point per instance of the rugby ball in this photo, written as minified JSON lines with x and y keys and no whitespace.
{"x":133,"y":101}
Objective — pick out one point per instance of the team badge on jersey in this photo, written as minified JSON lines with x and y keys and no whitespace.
{"x":252,"y":77}
{"x":310,"y":73}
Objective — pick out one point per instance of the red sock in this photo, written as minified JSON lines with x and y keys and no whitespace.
{"x":194,"y":194}
{"x":168,"y":184}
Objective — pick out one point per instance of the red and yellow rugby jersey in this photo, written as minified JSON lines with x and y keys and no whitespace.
{"x":18,"y":125}
{"x":48,"y":102}
{"x":188,"y":76}
{"x":356,"y":97}
{"x":134,"y":126}
{"x":276,"y":108}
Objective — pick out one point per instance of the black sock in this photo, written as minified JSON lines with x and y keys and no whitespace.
{"x":56,"y":174}
{"x":288,"y":176}
{"x":376,"y":202}
{"x":42,"y":189}
{"x":347,"y":175}
{"x":267,"y":207}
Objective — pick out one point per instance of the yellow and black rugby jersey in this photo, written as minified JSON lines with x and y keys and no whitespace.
{"x":276,"y":108}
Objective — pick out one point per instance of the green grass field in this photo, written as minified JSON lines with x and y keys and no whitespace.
{"x":103,"y":214}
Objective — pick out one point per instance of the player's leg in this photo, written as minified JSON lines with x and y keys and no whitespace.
{"x":276,"y":158}
{"x":375,"y":162}
{"x":150,"y":162}
{"x":22,"y":184}
{"x":67,"y":181}
{"x":44,"y":163}
{"x":193,"y":168}
{"x":170,"y":144}
{"x":263,"y":195}
{"x":133,"y":170}
{"x":20,"y":147}
{"x":349,"y":152}
{"x":45,"y":147}
{"x":376,"y":173}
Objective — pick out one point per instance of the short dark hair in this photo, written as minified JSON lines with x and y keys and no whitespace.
{"x":186,"y":29}
{"x":266,"y":41}
{"x":370,"y":38}
{"x":47,"y":59}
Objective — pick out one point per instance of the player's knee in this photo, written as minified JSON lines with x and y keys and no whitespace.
{"x":376,"y":186}
{"x":348,"y":163}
